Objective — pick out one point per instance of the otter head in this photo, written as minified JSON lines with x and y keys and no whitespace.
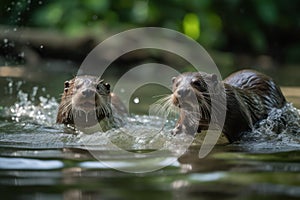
{"x":89,"y":94}
{"x":85,"y":101}
{"x":193,"y":89}
{"x":192,"y":93}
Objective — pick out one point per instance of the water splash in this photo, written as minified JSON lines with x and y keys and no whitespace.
{"x":34,"y":119}
{"x":31,"y":107}
{"x":35,"y":115}
{"x":281,"y":128}
{"x":43,"y":113}
{"x":140,"y":133}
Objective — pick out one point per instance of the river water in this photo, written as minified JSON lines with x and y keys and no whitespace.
{"x":42,"y":160}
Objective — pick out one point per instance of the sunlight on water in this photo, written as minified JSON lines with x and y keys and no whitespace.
{"x":22,"y":163}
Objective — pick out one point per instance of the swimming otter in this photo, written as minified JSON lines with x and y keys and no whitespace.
{"x":250,"y":96}
{"x":88,"y":102}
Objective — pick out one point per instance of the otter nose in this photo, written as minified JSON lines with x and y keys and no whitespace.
{"x":184,"y":92}
{"x":88,"y":93}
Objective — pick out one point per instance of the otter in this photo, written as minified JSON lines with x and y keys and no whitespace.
{"x":249,"y":96}
{"x":87,"y":102}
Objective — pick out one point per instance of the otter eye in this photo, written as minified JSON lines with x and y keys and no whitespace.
{"x":107,"y":86}
{"x":198,"y":84}
{"x":98,"y":87}
{"x":67,"y":84}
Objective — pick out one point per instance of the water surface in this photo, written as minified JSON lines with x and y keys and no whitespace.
{"x":41,"y":160}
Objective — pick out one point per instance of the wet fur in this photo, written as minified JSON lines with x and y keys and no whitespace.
{"x":105,"y":105}
{"x":250,"y":96}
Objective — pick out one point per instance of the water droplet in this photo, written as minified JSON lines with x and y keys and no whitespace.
{"x":40,"y":3}
{"x":10,"y":84}
{"x":21,"y":54}
{"x":136,"y":100}
{"x":5,"y":40}
{"x":11,"y":44}
{"x":15,"y":29}
{"x":8,"y":9}
{"x":42,"y":46}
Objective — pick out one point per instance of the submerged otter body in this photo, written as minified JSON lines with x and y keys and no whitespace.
{"x":87,"y":102}
{"x":249,"y":95}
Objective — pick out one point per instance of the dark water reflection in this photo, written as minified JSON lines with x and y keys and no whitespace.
{"x":38,"y":160}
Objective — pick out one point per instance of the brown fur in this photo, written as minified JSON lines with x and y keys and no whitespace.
{"x":250,"y":96}
{"x":86,"y":101}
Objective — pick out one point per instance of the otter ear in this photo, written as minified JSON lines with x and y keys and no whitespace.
{"x":214,"y":79}
{"x":173,"y":79}
{"x":67,"y":84}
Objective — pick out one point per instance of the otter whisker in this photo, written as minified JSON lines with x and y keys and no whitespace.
{"x":161,"y":96}
{"x":164,"y":106}
{"x":206,"y":109}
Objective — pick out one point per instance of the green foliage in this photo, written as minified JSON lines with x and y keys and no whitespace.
{"x":191,"y":25}
{"x":242,"y":26}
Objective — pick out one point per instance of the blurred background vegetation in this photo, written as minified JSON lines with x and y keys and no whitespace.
{"x":235,"y":32}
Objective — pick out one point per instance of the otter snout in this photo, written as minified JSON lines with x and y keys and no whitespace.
{"x":184,"y":92}
{"x":85,"y":99}
{"x":184,"y":96}
{"x":87,"y":93}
